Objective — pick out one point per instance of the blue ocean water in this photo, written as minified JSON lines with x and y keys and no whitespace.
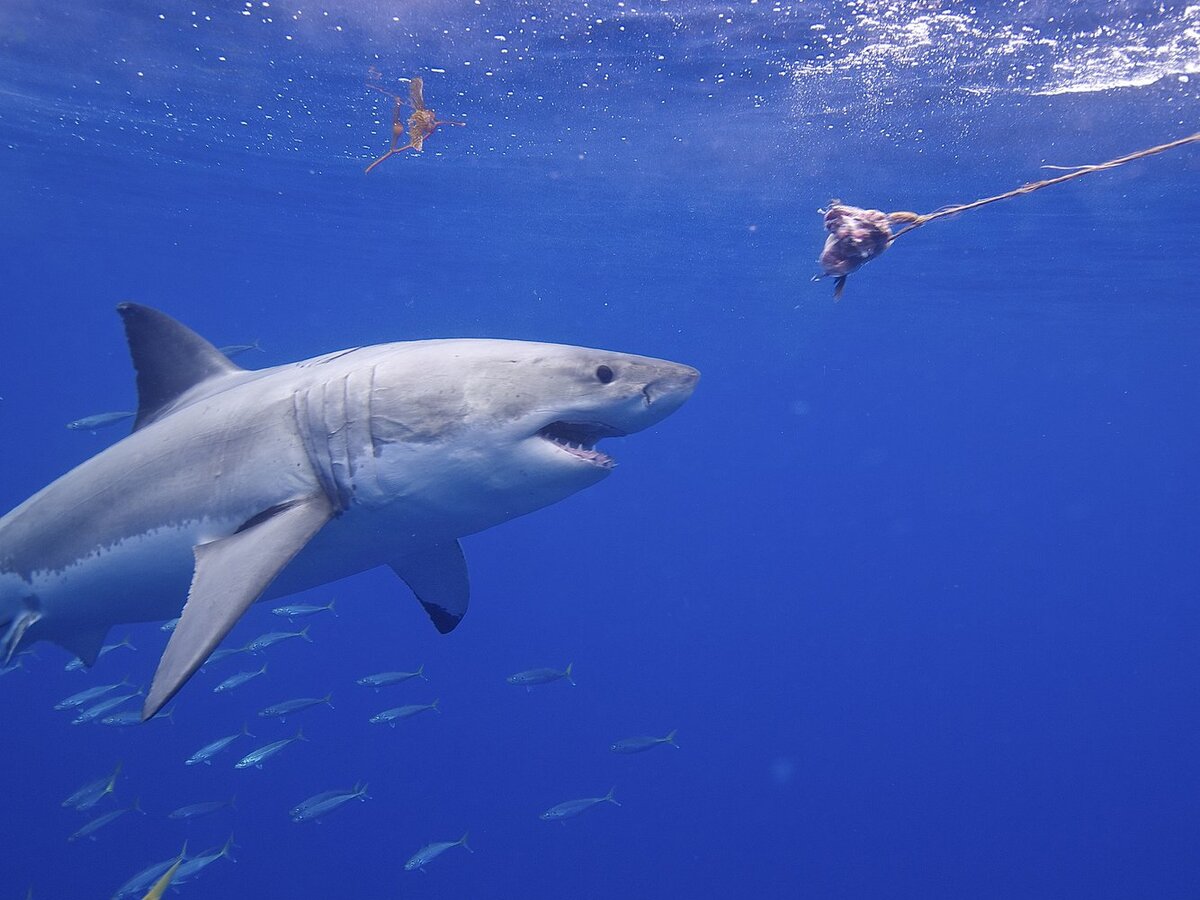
{"x":913,"y":574}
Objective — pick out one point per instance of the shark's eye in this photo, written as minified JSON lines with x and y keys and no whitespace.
{"x":604,"y":374}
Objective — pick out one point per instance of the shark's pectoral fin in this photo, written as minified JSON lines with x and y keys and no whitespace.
{"x":438,"y":576}
{"x":231,"y":573}
{"x":83,"y":642}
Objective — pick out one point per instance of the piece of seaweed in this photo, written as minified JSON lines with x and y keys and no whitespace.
{"x":421,"y":123}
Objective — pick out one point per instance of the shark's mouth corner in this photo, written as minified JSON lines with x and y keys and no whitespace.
{"x":579,"y":439}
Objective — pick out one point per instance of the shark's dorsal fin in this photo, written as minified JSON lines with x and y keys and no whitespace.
{"x":170,"y":359}
{"x":438,"y":576}
{"x":231,"y":573}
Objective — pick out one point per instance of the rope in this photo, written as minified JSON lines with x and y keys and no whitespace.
{"x":916,"y":221}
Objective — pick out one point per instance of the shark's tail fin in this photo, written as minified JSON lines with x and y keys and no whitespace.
{"x":304,"y":634}
{"x":670,"y":738}
{"x":609,"y":796}
{"x":421,"y":672}
{"x":462,"y":842}
{"x":331,"y":609}
{"x":567,"y":674}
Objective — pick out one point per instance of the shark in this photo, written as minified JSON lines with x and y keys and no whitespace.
{"x":241,"y":485}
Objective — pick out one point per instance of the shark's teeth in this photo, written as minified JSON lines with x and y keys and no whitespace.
{"x":579,"y":440}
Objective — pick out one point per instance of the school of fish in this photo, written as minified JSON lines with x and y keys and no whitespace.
{"x":101,"y":704}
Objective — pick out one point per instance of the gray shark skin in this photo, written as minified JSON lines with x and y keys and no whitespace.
{"x":237,"y":486}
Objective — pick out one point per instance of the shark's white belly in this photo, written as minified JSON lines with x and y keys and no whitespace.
{"x":146,"y":578}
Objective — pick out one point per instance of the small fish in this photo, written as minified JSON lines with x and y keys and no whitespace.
{"x":279,"y":710}
{"x":208,"y":751}
{"x":77,"y":664}
{"x":94,"y":712}
{"x":257,"y":757}
{"x":263,"y":641}
{"x":169,"y":626}
{"x":218,"y":655}
{"x":156,"y":877}
{"x":100,"y":420}
{"x":430,"y":852}
{"x":99,"y":822}
{"x":323,"y":804}
{"x":386,"y":678}
{"x":130,"y":717}
{"x":194,"y":866}
{"x":94,"y":791}
{"x":392,"y":716}
{"x":642,"y":744}
{"x":572,"y":808}
{"x":160,"y":887}
{"x":295,"y":610}
{"x":238,"y":680}
{"x":196,"y":810}
{"x":541,"y":676}
{"x":90,"y":694}
{"x":232,"y":350}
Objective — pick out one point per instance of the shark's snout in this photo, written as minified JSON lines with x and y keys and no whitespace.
{"x":669,"y":389}
{"x":658,"y":389}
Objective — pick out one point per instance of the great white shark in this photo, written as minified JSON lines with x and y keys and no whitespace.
{"x":238,"y":485}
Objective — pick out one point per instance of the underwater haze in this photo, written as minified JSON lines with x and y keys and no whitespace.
{"x":914,"y":574}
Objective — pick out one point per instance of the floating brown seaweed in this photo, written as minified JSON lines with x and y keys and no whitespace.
{"x":857,"y":236}
{"x":421,"y":123}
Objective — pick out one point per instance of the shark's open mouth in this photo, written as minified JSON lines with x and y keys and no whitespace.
{"x":579,"y":439}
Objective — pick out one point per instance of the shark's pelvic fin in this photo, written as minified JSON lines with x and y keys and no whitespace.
{"x":439,"y":579}
{"x":231,"y":573}
{"x":84,"y":643}
{"x":170,"y":359}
